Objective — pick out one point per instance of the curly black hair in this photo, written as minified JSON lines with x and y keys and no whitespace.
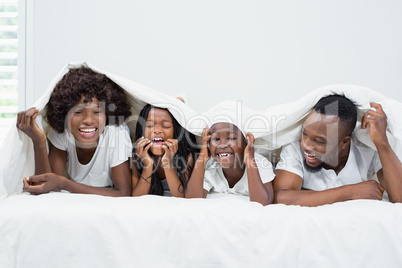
{"x":85,"y":82}
{"x":187,"y":146}
{"x":340,"y":106}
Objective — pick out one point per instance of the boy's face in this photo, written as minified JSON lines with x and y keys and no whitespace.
{"x":227,"y":145}
{"x":87,"y":121}
{"x":158,"y":128}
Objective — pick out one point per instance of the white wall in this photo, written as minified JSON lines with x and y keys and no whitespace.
{"x":263,"y":52}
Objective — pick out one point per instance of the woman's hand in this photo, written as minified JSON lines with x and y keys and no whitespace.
{"x":142,"y":146}
{"x":26,"y":123}
{"x":44,"y":183}
{"x":249,"y":150}
{"x":170,"y":147}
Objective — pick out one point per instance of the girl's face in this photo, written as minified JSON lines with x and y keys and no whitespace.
{"x":87,"y":121}
{"x":158,"y":128}
{"x":227,"y":145}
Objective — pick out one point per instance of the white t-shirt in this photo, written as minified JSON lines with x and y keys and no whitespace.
{"x":214,"y":179}
{"x":361,"y":165}
{"x":114,"y":148}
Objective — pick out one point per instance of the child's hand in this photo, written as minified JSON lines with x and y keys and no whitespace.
{"x":206,"y":137}
{"x":44,"y":183}
{"x":142,"y":146}
{"x":170,"y":147}
{"x":26,"y":123}
{"x":378,"y":123}
{"x":249,"y":150}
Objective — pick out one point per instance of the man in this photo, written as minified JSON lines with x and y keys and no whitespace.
{"x":328,"y":164}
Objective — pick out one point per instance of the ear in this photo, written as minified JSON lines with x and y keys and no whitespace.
{"x":345,"y":142}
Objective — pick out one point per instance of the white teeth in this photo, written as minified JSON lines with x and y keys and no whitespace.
{"x":157,"y":139}
{"x":224,"y":155}
{"x":310,"y":155}
{"x":88,"y":130}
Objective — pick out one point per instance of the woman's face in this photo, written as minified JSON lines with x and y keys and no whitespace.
{"x":87,"y":121}
{"x":158,"y":129}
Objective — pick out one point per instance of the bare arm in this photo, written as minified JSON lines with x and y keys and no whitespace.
{"x":141,"y":184}
{"x":173,"y":181}
{"x":288,"y":190}
{"x":259,"y":192}
{"x":196,"y":182}
{"x":195,"y":187}
{"x":57,"y":159}
{"x":56,"y":182}
{"x":390,"y":176}
{"x":26,"y":123}
{"x":47,"y":182}
{"x":175,"y":185}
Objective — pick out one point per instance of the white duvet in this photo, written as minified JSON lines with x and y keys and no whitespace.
{"x":72,"y":230}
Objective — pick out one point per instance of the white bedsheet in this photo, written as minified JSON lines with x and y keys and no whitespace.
{"x":72,"y":230}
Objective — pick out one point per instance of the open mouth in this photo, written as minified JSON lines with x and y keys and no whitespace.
{"x":88,"y":132}
{"x":157,"y":141}
{"x":310,"y":158}
{"x":224,"y":155}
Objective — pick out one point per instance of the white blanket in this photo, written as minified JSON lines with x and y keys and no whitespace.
{"x":274,"y":127}
{"x":72,"y":230}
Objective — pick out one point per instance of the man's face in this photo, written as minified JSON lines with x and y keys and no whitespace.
{"x":320,"y":140}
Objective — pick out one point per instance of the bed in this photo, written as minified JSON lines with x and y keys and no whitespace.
{"x":74,"y":230}
{"x":61,"y":229}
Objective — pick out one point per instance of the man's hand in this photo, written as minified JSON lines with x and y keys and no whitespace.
{"x":378,"y":123}
{"x":367,"y":190}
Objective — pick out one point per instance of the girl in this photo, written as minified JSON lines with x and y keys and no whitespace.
{"x":86,"y":111}
{"x":164,"y":154}
{"x":235,"y":168}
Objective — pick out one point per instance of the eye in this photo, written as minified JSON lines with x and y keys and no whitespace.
{"x":78,"y":112}
{"x":232,"y":138}
{"x":215,"y":139}
{"x":320,"y":142}
{"x":167,"y":126}
{"x":149,"y":123}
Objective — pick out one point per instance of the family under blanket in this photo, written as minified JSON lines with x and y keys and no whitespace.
{"x":89,"y":150}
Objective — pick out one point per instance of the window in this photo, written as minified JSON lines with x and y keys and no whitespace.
{"x":8,"y":64}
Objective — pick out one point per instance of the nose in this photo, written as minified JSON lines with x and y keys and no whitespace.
{"x":157,"y":129}
{"x":307,"y":144}
{"x":222,"y":143}
{"x":88,"y":118}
